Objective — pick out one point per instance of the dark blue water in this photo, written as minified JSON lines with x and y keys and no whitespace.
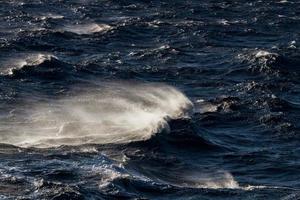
{"x":149,"y":99}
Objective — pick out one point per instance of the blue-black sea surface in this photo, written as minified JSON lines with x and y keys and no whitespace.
{"x":128,"y":99}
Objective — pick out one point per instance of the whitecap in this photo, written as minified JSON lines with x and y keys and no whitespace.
{"x":20,"y":60}
{"x":118,"y":113}
{"x":220,"y":180}
{"x":86,"y":29}
{"x":223,"y":22}
{"x":261,"y":61}
{"x":51,"y":16}
{"x":211,"y":180}
{"x":202,"y":106}
{"x":264,"y":54}
{"x":292,"y":44}
{"x":283,"y":1}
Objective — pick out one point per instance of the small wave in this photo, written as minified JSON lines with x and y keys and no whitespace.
{"x":20,"y":61}
{"x":271,"y":63}
{"x":265,"y":54}
{"x":222,"y":180}
{"x":221,"y":104}
{"x":265,"y":59}
{"x":117,"y":113}
{"x":283,"y":1}
{"x":161,"y":52}
{"x":44,"y":67}
{"x":292,"y":45}
{"x":86,"y":29}
{"x":223,"y":22}
{"x":218,"y":180}
{"x":262,"y":61}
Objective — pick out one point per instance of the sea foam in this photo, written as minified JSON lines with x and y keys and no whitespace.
{"x":21,"y":60}
{"x":86,"y":29}
{"x":114,"y":113}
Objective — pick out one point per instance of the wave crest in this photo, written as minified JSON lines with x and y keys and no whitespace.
{"x":17,"y":63}
{"x":86,"y":29}
{"x":115,"y":113}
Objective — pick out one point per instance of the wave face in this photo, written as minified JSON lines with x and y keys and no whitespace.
{"x":149,"y":99}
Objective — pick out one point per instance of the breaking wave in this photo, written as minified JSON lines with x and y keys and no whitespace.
{"x":86,"y":29}
{"x":9,"y":66}
{"x":115,"y":113}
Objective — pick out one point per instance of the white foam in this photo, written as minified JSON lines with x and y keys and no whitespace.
{"x":283,"y":1}
{"x":202,"y":106}
{"x":292,"y":45}
{"x":223,"y":22}
{"x":21,"y":60}
{"x":85,"y":29}
{"x":211,"y":180}
{"x":220,"y":180}
{"x":262,"y":60}
{"x":115,"y":114}
{"x":263,"y":54}
{"x":51,"y":16}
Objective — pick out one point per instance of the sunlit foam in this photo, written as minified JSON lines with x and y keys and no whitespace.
{"x":219,"y":179}
{"x":115,"y":113}
{"x":85,"y":29}
{"x":21,"y":60}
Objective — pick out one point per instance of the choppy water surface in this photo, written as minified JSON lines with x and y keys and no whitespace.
{"x":149,"y":99}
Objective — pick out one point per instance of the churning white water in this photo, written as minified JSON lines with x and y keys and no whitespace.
{"x":115,"y":113}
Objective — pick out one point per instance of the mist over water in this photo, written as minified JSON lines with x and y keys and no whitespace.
{"x":113,"y":113}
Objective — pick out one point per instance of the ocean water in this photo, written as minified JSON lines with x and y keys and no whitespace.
{"x":103,"y":99}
